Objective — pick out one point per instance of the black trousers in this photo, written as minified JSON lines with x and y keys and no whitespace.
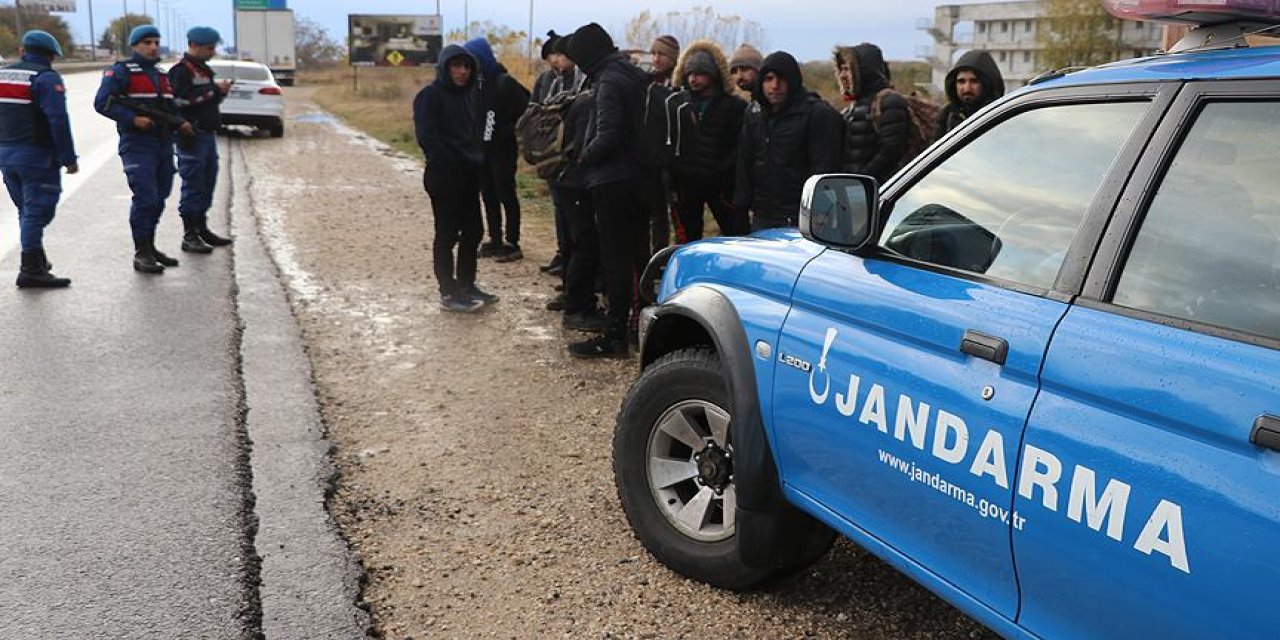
{"x":455,"y":204}
{"x":622,"y":221}
{"x":656,"y":190}
{"x":692,"y":194}
{"x":498,"y":189}
{"x":584,"y":261}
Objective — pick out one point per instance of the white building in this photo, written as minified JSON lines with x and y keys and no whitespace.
{"x":1008,"y":31}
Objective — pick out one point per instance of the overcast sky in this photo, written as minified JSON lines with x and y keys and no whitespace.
{"x":806,"y":28}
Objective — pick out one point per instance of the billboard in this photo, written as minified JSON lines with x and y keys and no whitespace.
{"x":394,"y":41}
{"x":52,"y":6}
{"x":259,"y":5}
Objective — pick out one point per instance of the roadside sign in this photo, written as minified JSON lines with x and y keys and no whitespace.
{"x":394,"y":40}
{"x":52,"y":6}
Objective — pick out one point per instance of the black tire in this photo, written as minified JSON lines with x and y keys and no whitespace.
{"x":277,"y":131}
{"x":670,"y":384}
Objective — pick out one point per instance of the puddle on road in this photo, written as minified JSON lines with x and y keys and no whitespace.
{"x":317,"y":117}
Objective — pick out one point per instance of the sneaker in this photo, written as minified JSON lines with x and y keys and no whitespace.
{"x":556,"y":261}
{"x":490,"y":249}
{"x":557,"y":271}
{"x":460,"y":304}
{"x":589,"y":321}
{"x":509,"y":253}
{"x":475,"y":293}
{"x":559,"y":286}
{"x":164,"y":259}
{"x":556,"y":303}
{"x":599,"y":347}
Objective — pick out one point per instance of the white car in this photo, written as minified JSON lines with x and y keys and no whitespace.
{"x":255,"y":100}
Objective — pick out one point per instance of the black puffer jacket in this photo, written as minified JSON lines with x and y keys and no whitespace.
{"x":779,"y":150}
{"x":981,"y":63}
{"x":618,"y":87}
{"x":446,"y":118}
{"x":502,"y":98}
{"x":874,"y":148}
{"x":709,"y":125}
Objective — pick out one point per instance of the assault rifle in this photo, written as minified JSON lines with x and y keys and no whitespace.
{"x":164,"y":120}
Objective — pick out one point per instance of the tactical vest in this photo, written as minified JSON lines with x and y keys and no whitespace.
{"x":141,"y":86}
{"x":21,"y":120}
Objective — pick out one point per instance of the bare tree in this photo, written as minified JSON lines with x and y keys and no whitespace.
{"x":728,"y":31}
{"x":315,"y":47}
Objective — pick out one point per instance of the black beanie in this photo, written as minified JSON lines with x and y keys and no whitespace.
{"x":589,"y":45}
{"x":549,"y":47}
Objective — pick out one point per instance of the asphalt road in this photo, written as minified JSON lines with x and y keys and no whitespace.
{"x":128,"y":408}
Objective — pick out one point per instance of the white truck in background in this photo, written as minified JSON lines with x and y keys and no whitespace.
{"x":267,"y":37}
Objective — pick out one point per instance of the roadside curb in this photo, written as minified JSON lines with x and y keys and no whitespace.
{"x":310,"y":581}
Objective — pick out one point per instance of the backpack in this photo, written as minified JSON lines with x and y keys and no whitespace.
{"x":540,"y":132}
{"x":923,"y":116}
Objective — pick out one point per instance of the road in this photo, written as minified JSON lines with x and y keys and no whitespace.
{"x":136,"y":412}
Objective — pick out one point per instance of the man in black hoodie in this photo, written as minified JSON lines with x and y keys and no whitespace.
{"x":446,"y":118}
{"x":789,"y":134}
{"x":615,"y":179}
{"x":972,"y":84}
{"x":876,"y":123}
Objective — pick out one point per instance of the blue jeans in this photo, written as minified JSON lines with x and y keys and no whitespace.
{"x":198,"y":167}
{"x":35,"y":192}
{"x":148,"y":165}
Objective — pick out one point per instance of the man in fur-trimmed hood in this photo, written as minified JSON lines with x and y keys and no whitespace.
{"x":708,"y":119}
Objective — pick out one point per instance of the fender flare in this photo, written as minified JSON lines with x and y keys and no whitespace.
{"x":771,"y":531}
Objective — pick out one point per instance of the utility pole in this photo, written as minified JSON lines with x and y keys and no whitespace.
{"x":93,"y":36}
{"x":124,"y":38}
{"x":17,"y":17}
{"x":530,"y":52}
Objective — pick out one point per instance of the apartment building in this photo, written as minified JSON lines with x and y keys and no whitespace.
{"x":1009,"y":31}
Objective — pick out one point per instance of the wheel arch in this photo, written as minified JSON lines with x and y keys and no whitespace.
{"x":771,"y":531}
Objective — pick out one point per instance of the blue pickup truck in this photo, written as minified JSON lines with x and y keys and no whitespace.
{"x":1038,"y":370}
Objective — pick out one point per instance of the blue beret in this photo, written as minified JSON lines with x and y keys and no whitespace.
{"x":203,"y":36}
{"x":143,"y":31}
{"x":37,"y":39}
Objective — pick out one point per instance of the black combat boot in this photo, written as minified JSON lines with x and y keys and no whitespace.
{"x":191,"y":240}
{"x":210,"y":238}
{"x":34,"y":272}
{"x":144,"y":258}
{"x":163,"y":259}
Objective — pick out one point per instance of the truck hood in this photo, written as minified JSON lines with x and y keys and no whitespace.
{"x":767,"y":263}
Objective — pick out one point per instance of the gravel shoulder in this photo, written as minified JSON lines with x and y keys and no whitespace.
{"x":474,"y":461}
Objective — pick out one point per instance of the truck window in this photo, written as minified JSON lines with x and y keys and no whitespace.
{"x":1209,"y":246}
{"x":1008,"y":204}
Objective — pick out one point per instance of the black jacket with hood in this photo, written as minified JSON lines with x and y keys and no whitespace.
{"x":446,"y":117}
{"x":981,"y":63}
{"x":873,"y":148}
{"x":779,"y":150}
{"x":711,"y":151}
{"x":618,"y":87}
{"x":502,"y":98}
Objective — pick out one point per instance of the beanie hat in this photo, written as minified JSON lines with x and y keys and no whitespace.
{"x":549,"y":47}
{"x":203,"y":36}
{"x":42,"y":40}
{"x":701,"y":62}
{"x":746,"y":56}
{"x":143,"y":31}
{"x":589,"y":45}
{"x":666,"y":45}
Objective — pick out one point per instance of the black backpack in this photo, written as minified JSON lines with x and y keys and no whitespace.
{"x":540,"y":132}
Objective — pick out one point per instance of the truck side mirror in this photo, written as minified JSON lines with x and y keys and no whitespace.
{"x":838,"y":209}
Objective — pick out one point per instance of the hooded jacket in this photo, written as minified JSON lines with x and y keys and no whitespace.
{"x":780,"y":149}
{"x":502,"y":98}
{"x":446,"y":118}
{"x":618,"y":91}
{"x":955,"y":112}
{"x":874,"y":148}
{"x":711,"y":146}
{"x":551,"y":83}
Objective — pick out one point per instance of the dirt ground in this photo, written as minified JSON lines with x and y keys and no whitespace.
{"x":474,"y":453}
